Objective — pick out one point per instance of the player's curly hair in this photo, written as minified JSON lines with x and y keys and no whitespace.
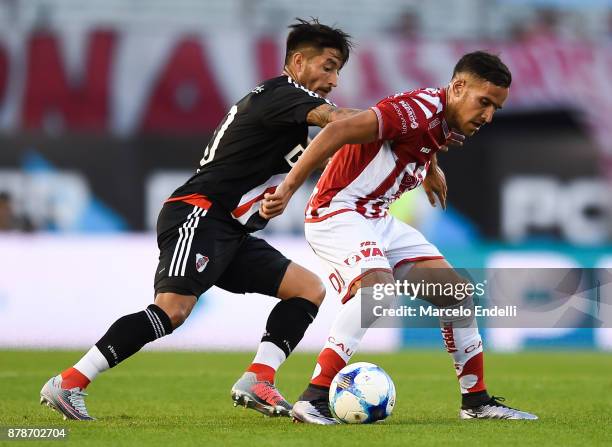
{"x":314,"y":34}
{"x":486,"y":66}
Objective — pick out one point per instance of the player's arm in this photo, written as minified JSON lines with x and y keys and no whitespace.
{"x":324,"y":114}
{"x":359,"y":128}
{"x":435,"y":183}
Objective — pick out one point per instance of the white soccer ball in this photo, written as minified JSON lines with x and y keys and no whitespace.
{"x":361,"y":393}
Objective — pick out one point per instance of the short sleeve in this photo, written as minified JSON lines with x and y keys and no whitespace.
{"x":396,"y":118}
{"x":289,"y":106}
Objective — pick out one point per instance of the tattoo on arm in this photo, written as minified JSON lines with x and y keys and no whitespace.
{"x":325,"y":114}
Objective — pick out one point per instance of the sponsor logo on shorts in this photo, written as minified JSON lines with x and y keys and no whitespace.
{"x":201,"y":262}
{"x":368,"y":250}
{"x":425,"y":150}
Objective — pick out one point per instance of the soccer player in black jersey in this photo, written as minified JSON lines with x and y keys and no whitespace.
{"x":203,"y":230}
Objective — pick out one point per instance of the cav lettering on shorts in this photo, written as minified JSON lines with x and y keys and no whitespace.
{"x":201,"y":262}
{"x":367,"y":251}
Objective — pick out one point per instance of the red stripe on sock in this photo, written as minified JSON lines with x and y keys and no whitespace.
{"x":263,"y":372}
{"x":475,"y":366}
{"x":330,"y":363}
{"x":74,"y":378}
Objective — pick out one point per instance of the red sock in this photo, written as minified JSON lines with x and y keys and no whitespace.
{"x":74,"y":378}
{"x":472,"y":376}
{"x":263,"y":372}
{"x":329,"y":363}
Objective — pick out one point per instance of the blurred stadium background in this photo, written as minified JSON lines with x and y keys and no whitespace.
{"x":106,"y":106}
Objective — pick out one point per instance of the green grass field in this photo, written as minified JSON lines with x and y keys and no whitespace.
{"x":172,"y":399}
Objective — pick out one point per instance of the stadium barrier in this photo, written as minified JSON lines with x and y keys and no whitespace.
{"x":64,"y":292}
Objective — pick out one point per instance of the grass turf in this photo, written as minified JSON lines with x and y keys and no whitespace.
{"x":172,"y":399}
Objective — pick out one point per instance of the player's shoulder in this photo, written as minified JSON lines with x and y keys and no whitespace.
{"x":286,"y":87}
{"x":420,"y":106}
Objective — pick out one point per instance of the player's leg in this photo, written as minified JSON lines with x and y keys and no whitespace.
{"x":460,"y":334}
{"x":349,"y":244}
{"x":176,"y":290}
{"x":344,"y":338}
{"x":462,"y":340}
{"x":260,"y":268}
{"x":125,"y":337}
{"x":301,"y":292}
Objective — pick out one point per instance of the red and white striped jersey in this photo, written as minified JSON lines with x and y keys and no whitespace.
{"x":367,"y":178}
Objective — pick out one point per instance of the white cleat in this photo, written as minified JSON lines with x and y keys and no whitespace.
{"x":69,"y":403}
{"x":494,"y":409}
{"x":259,"y":396}
{"x":313,"y":412}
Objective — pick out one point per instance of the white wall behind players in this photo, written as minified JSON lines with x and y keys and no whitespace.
{"x":65,"y":291}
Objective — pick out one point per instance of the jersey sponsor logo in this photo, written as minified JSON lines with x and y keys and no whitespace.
{"x":368,"y":251}
{"x":258,"y":89}
{"x":201,"y":262}
{"x":294,"y":155}
{"x":425,"y":150}
{"x":401,"y":117}
{"x":411,"y":115}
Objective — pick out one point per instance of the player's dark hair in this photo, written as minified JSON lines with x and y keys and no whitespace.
{"x":486,"y":66}
{"x":311,"y":33}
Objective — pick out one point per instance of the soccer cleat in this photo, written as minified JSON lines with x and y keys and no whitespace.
{"x":260,"y":396}
{"x":312,"y":406}
{"x":313,"y":412}
{"x":494,"y":409}
{"x":69,"y":403}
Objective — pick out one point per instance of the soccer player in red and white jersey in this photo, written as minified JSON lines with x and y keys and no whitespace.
{"x":377,"y":155}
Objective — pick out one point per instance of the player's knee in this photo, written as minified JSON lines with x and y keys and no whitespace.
{"x":314,"y":290}
{"x":463,"y":291}
{"x":177,"y":307}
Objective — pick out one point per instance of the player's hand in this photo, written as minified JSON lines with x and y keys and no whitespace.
{"x":454,"y":139}
{"x":275,"y":203}
{"x":435,"y":185}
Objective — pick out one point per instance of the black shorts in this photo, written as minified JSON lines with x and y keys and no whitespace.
{"x":199,"y":248}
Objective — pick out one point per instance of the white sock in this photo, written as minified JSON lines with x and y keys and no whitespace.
{"x":463,"y":342}
{"x":92,"y":363}
{"x":344,"y":338}
{"x":269,"y":354}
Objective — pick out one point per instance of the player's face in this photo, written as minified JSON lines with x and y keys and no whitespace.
{"x":475,"y":103}
{"x":320,"y":71}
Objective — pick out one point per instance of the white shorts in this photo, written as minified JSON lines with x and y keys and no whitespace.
{"x":350,"y":244}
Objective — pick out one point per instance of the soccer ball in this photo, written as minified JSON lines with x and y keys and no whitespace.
{"x":361,"y":393}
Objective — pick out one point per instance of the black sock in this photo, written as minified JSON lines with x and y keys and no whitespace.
{"x":315,"y":392}
{"x":288,"y":322}
{"x":475,"y":399}
{"x":130,"y":333}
